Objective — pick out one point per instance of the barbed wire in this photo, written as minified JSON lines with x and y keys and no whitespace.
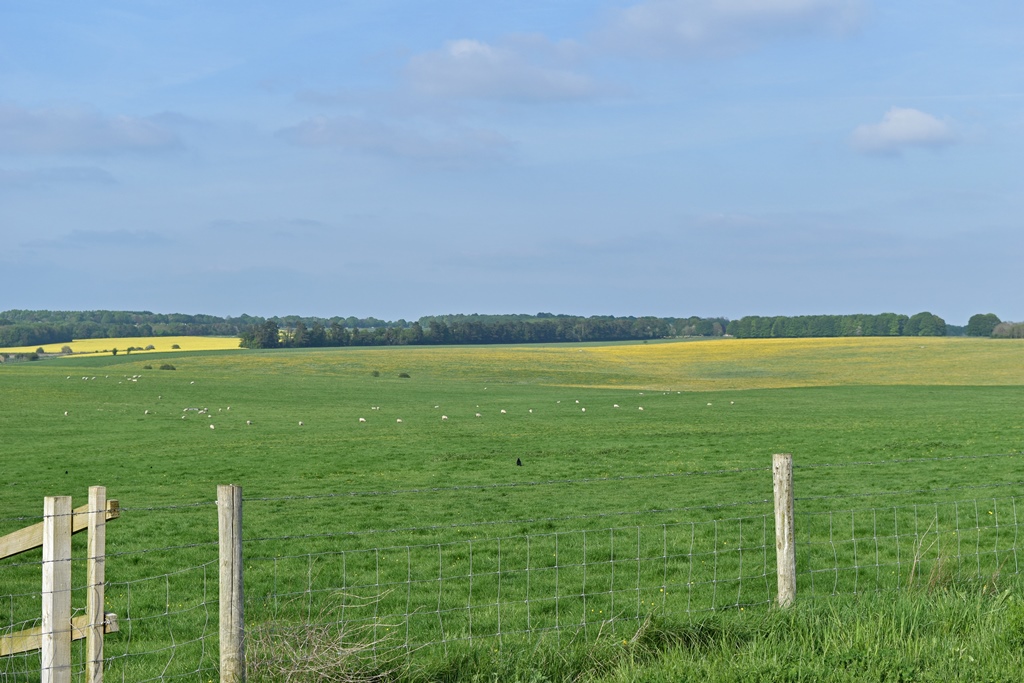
{"x":909,"y":491}
{"x":511,"y":484}
{"x":901,"y":461}
{"x":509,"y":522}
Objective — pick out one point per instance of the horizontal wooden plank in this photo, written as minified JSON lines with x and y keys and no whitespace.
{"x":31,"y":537}
{"x":32,"y":638}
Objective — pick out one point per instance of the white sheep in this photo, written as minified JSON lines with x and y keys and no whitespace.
{"x":478,"y":415}
{"x":212,"y":427}
{"x":583,"y":409}
{"x":362,"y":419}
{"x":65,"y":413}
{"x":146,"y":413}
{"x":399,"y":420}
{"x":300,"y":423}
{"x":641,"y":407}
{"x":444,"y":417}
{"x":503,"y":411}
{"x":615,"y":405}
{"x":248,"y":422}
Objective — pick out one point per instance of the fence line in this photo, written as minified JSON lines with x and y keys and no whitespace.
{"x":448,"y":586}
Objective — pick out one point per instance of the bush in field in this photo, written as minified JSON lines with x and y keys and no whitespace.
{"x":150,"y":347}
{"x":375,"y":373}
{"x":40,"y":350}
{"x":147,"y":367}
{"x":66,"y":350}
{"x":404,"y":375}
{"x":167,"y":366}
{"x":175,"y":346}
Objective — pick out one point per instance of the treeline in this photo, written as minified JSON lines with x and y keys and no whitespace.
{"x":479,"y":329}
{"x":882,"y":325}
{"x":34,"y":328}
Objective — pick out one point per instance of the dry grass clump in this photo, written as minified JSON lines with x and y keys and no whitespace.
{"x":314,"y":652}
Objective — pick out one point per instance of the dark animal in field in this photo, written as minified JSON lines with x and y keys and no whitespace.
{"x":519,"y":463}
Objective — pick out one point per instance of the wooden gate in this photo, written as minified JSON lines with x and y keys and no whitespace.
{"x":58,"y":629}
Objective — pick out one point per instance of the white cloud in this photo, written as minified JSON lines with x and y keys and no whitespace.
{"x":78,"y":131}
{"x":901,"y":128}
{"x":364,"y":136}
{"x":529,"y":69}
{"x":692,"y":28}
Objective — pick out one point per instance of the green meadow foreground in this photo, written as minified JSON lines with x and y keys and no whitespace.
{"x":630,"y":545}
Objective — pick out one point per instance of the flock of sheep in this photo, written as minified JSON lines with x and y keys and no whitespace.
{"x":206,"y":412}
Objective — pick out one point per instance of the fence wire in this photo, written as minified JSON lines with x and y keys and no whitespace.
{"x":449,"y":582}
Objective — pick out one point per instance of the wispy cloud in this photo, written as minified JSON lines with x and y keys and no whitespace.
{"x":62,"y":175}
{"x":79,"y":130}
{"x":364,"y":136}
{"x":97,"y":239}
{"x":900,"y":129}
{"x":714,"y":28}
{"x":523,"y":69}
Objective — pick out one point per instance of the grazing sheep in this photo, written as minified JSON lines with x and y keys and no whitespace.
{"x":212,"y":427}
{"x":577,"y":401}
{"x":399,"y":420}
{"x":182,"y":417}
{"x":615,"y":405}
{"x":65,"y":413}
{"x":641,"y":407}
{"x":146,"y":413}
{"x":437,"y":406}
{"x":362,"y":419}
{"x":478,"y":415}
{"x":531,"y":411}
{"x":444,"y":417}
{"x":583,"y":409}
{"x":248,"y":422}
{"x":300,"y":423}
{"x":502,"y":411}
{"x":709,"y":404}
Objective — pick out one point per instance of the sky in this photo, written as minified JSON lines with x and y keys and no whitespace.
{"x":398,"y":159}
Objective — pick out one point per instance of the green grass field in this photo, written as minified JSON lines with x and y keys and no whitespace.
{"x":630,"y":545}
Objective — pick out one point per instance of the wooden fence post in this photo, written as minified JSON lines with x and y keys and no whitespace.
{"x":785,"y":545}
{"x":96,"y":576}
{"x":56,"y":590}
{"x":232,"y":607}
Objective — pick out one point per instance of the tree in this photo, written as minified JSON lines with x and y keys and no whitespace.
{"x":982,"y":324}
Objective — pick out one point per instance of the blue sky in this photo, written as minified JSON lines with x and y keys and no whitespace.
{"x":399,"y":159}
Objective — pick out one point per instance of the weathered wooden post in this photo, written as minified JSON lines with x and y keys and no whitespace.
{"x":96,"y":576}
{"x":232,"y":606}
{"x":785,"y":545}
{"x":56,"y":590}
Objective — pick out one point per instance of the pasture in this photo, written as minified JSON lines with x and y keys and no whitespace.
{"x":424,"y":534}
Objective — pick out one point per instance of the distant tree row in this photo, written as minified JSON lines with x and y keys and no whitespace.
{"x":34,"y":328}
{"x":882,"y":325}
{"x":478,"y":329}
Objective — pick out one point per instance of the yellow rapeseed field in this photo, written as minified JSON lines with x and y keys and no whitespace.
{"x":122,"y":343}
{"x":689,"y":365}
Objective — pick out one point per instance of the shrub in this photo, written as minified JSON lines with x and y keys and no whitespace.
{"x":404,"y":375}
{"x":375,"y":373}
{"x":147,"y":367}
{"x":175,"y":346}
{"x":40,"y":350}
{"x":167,"y":366}
{"x":66,"y":350}
{"x":150,"y":347}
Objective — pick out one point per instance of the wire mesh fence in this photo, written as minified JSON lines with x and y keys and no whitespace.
{"x":323,"y":564}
